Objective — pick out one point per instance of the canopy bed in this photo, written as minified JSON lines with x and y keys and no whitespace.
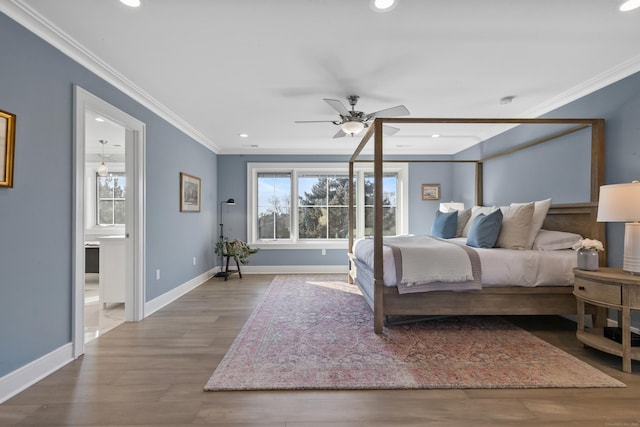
{"x":541,"y":297}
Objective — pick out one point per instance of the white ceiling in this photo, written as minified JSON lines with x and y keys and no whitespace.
{"x":217,"y":69}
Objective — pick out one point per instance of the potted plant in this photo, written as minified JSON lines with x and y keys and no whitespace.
{"x":587,"y":250}
{"x":237,"y":249}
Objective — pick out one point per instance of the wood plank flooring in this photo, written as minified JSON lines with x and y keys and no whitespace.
{"x":152,"y":373}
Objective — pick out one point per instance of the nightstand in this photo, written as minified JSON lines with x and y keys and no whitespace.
{"x":608,"y":288}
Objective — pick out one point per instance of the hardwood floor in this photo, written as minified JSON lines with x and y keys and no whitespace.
{"x":152,"y":373}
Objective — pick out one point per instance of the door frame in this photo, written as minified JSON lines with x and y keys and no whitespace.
{"x":135,"y":142}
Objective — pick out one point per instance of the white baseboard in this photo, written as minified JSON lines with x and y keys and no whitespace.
{"x":24,"y":377}
{"x":294,"y":269}
{"x":175,"y":293}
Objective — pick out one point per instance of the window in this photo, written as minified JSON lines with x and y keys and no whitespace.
{"x":111,"y":191}
{"x":307,"y":204}
{"x":274,"y":206}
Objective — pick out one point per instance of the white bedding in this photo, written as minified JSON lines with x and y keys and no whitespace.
{"x":500,"y":267}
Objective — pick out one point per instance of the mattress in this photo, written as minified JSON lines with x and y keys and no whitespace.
{"x":500,"y":267}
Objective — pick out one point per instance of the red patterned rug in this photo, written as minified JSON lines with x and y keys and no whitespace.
{"x":316,"y":332}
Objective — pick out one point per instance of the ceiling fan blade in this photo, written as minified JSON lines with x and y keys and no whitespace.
{"x":340,"y":134}
{"x":338,"y":106}
{"x":389,"y":130}
{"x":314,"y":121}
{"x":398,"y":110}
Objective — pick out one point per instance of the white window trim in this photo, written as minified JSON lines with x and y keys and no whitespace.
{"x":253,"y":169}
{"x":93,"y":230}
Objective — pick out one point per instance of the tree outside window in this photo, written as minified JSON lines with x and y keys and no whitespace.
{"x":111,"y":199}
{"x":274,"y":206}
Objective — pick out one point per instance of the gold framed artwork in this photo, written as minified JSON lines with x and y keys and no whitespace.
{"x":7,"y":143}
{"x":189,"y":193}
{"x":430,"y":191}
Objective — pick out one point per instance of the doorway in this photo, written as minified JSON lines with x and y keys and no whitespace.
{"x":109,"y":218}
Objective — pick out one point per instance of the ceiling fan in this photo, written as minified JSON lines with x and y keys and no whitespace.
{"x":353,"y":122}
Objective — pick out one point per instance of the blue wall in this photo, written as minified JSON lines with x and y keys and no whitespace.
{"x":560,"y":170}
{"x":36,"y":214}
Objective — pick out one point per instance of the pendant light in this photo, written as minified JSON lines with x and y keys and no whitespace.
{"x":102,"y":169}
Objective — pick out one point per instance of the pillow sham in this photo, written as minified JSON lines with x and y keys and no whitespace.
{"x":445,"y":225}
{"x":484,"y":230}
{"x":475,"y":211}
{"x":540,"y":210}
{"x":463,"y":218}
{"x":549,"y":240}
{"x":516,"y":225}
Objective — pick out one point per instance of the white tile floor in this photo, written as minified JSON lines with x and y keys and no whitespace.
{"x":98,"y":320}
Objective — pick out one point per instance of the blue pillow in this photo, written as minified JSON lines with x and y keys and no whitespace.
{"x":484,"y":230}
{"x":445,"y":225}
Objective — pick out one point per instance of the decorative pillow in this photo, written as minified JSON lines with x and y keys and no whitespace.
{"x":475,"y":211}
{"x":484,"y":230}
{"x":548,"y":240}
{"x":540,"y":210}
{"x":445,"y":224}
{"x":516,"y":224}
{"x":463,"y":218}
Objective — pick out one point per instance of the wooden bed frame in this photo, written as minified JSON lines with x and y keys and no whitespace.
{"x":513,"y":300}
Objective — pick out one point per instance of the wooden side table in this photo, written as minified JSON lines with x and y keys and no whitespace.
{"x":608,"y":288}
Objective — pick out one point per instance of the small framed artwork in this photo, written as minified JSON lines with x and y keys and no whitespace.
{"x":430,"y":191}
{"x":189,"y":193}
{"x":7,"y":141}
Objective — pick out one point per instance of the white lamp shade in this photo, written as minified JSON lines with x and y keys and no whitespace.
{"x":619,"y":202}
{"x":352,"y":127}
{"x":451,"y":206}
{"x":103,"y":170}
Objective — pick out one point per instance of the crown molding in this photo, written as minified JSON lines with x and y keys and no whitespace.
{"x":587,"y":87}
{"x":26,"y":16}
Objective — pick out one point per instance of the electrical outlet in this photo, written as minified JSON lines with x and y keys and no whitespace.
{"x":194,"y":260}
{"x":324,"y":252}
{"x":158,"y":274}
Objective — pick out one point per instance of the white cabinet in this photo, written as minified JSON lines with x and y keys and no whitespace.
{"x":112,"y":269}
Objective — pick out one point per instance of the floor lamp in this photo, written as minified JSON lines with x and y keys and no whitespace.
{"x":621,"y":203}
{"x":231,"y":202}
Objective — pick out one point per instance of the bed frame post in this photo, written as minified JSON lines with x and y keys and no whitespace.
{"x":378,"y":290}
{"x":479,"y":185}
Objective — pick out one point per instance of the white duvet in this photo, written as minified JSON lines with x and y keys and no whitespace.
{"x":500,"y":267}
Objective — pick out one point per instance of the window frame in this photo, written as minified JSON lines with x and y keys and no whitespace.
{"x":98,"y":199}
{"x":329,"y":168}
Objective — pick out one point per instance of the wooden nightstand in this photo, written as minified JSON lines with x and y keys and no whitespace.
{"x":609,"y":288}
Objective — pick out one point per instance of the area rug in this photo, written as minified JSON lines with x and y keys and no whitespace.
{"x":316,"y":332}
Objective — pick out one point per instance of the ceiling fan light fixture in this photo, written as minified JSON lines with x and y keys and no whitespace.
{"x":629,"y":5}
{"x":352,"y":127}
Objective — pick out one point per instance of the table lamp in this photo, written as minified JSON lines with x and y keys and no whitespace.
{"x":621,"y":203}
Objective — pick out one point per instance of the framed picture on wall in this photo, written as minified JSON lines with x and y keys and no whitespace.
{"x":189,"y":193}
{"x":430,"y":191}
{"x":7,"y":141}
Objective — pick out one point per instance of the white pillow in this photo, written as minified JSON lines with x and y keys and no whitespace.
{"x":541,"y":208}
{"x":475,"y":211}
{"x":548,"y":240}
{"x":516,"y":225}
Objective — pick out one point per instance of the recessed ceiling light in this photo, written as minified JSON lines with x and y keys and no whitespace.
{"x":435,"y":135}
{"x":243,"y":135}
{"x":383,"y":5}
{"x":630,"y":5}
{"x":99,"y":119}
{"x":131,"y":3}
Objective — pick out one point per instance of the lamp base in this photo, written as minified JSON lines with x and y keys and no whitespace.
{"x":631,"y":260}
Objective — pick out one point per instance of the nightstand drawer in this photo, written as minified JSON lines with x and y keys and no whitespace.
{"x":601,"y":292}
